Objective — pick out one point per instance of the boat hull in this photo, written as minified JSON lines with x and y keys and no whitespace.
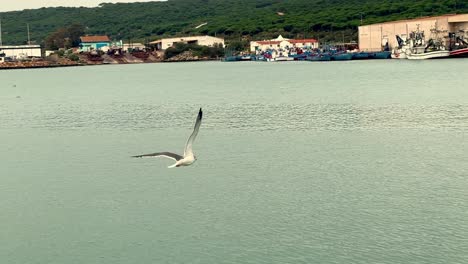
{"x":429,"y":55}
{"x":278,"y":59}
{"x":459,"y":53}
{"x":361,"y":56}
{"x":401,"y":55}
{"x":382,"y":55}
{"x":322,"y":57}
{"x":342,"y":56}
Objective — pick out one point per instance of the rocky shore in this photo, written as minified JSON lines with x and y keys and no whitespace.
{"x":36,"y":64}
{"x":101,"y":59}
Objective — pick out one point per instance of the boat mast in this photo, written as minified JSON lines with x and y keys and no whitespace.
{"x":29,"y":38}
{"x":1,"y":41}
{"x":381,"y":38}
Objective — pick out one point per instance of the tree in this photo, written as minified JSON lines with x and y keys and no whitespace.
{"x":65,"y":37}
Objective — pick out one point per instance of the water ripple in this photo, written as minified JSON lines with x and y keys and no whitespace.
{"x":250,"y":117}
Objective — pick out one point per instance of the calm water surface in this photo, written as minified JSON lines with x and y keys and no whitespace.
{"x":353,"y":162}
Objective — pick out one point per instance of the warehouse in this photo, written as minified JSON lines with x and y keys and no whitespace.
{"x":21,"y":52}
{"x":374,"y":37}
{"x":165,"y":43}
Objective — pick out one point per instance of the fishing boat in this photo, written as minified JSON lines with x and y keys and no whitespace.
{"x":429,"y":55}
{"x":298,"y":57}
{"x":459,"y":53}
{"x":319,"y":57}
{"x":231,"y":58}
{"x":458,"y":46}
{"x":381,"y":55}
{"x":433,"y":49}
{"x":361,"y":55}
{"x":341,"y":56}
{"x":280,"y":58}
{"x":399,"y":52}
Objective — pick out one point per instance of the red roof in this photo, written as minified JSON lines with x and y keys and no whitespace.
{"x":266,"y":42}
{"x":302,"y":40}
{"x":95,"y":39}
{"x":271,"y":42}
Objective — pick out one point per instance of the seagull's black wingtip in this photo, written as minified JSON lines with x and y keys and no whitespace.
{"x":200,"y":113}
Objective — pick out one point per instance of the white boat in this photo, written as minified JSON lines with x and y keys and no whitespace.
{"x":281,"y":58}
{"x":400,"y":51}
{"x":432,"y":49}
{"x":398,"y":54}
{"x":428,"y":55}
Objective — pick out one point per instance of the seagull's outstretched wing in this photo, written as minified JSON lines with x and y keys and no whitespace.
{"x":169,"y":155}
{"x":188,"y":145}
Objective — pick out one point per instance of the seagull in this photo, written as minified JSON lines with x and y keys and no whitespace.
{"x":189,"y":158}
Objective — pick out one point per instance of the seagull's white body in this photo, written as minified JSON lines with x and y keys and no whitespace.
{"x":188,"y":158}
{"x":186,"y":161}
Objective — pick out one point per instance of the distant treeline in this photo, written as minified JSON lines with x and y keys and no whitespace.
{"x":235,"y":20}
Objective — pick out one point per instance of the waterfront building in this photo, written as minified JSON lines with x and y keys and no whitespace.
{"x":21,"y":52}
{"x":283,"y":44}
{"x":375,"y":36}
{"x":89,"y":43}
{"x":133,"y":46}
{"x":162,"y":44}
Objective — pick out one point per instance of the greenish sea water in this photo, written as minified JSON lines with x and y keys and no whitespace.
{"x":342,"y":162}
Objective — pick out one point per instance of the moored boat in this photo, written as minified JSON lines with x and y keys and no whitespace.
{"x":399,"y":52}
{"x":428,"y":55}
{"x":382,"y":55}
{"x":319,"y":57}
{"x":434,"y":48}
{"x":458,"y":45}
{"x":459,"y":53}
{"x":280,"y":58}
{"x":232,"y":58}
{"x":342,"y":56}
{"x":361,"y":55}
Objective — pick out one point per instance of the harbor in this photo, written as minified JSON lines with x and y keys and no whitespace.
{"x":316,"y":132}
{"x":415,"y":39}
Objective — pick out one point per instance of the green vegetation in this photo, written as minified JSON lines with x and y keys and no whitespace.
{"x":73,"y":57}
{"x":197,"y":50}
{"x":236,"y":20}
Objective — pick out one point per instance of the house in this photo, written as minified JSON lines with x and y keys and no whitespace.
{"x":209,"y":41}
{"x":283,"y":43}
{"x":21,"y":52}
{"x":89,"y":43}
{"x":373,"y":37}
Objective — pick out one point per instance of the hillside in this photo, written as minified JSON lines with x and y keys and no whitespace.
{"x":233,"y":19}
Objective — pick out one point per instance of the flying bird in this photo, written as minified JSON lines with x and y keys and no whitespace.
{"x":188,"y":158}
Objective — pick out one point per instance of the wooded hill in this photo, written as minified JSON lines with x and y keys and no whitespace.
{"x":232,"y":19}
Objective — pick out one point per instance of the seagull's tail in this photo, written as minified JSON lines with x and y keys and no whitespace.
{"x":173,"y":166}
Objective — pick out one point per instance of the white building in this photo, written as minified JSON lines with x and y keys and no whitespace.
{"x":283,"y":43}
{"x":21,"y":52}
{"x":133,"y":46}
{"x":209,"y":41}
